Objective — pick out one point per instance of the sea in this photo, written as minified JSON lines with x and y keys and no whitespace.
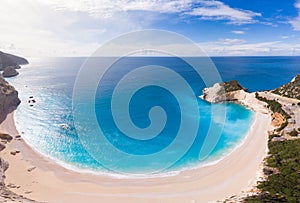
{"x":157,"y":125}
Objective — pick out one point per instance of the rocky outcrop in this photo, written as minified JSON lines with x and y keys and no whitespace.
{"x":8,"y":101}
{"x":221,"y":92}
{"x":5,"y":137}
{"x":3,"y":167}
{"x":291,"y":89}
{"x":232,"y":91}
{"x":8,"y":98}
{"x":9,"y":72}
{"x":214,"y":94}
{"x":7,"y":60}
{"x":278,"y":119}
{"x":5,"y":194}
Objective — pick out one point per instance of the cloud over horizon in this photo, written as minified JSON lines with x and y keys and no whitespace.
{"x":72,"y":27}
{"x":295,"y":22}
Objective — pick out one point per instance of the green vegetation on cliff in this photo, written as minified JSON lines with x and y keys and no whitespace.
{"x":232,"y":86}
{"x":291,"y":89}
{"x":275,"y":106}
{"x":283,"y":182}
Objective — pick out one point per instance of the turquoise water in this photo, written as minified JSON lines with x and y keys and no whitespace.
{"x":50,"y":81}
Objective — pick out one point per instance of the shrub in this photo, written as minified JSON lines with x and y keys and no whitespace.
{"x":282,"y":186}
{"x":294,"y":133}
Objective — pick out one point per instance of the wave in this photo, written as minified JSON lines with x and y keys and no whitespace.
{"x":211,"y":161}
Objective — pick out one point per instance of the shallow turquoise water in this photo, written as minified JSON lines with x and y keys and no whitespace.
{"x":50,"y":82}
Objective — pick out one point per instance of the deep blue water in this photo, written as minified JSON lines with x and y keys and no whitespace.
{"x":51,"y":83}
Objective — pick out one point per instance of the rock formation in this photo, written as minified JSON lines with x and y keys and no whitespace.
{"x":222,"y":91}
{"x":233,"y":91}
{"x":9,"y":71}
{"x":11,"y":60}
{"x":9,"y":101}
{"x":276,"y":102}
{"x":291,"y":89}
{"x":5,"y":194}
{"x":8,"y":98}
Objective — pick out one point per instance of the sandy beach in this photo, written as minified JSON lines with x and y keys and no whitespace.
{"x":43,"y":180}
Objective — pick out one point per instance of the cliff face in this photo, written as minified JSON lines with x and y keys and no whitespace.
{"x":291,"y":89}
{"x":7,"y":60}
{"x":225,"y":91}
{"x":8,"y":101}
{"x":8,"y":98}
{"x":233,"y":91}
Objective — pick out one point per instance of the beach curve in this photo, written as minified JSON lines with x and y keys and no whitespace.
{"x":50,"y":182}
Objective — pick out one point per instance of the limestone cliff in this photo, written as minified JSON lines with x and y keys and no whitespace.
{"x":221,"y":92}
{"x":8,"y":98}
{"x":233,"y":91}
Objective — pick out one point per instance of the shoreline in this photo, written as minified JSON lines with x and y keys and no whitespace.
{"x":76,"y":169}
{"x":66,"y":185}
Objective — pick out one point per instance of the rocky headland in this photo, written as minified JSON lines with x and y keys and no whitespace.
{"x":283,"y":104}
{"x":232,"y":91}
{"x":9,"y":63}
{"x":9,"y":101}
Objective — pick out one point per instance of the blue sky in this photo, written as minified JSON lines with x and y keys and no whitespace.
{"x":79,"y":27}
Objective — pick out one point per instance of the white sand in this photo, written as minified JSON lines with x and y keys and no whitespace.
{"x":50,"y":182}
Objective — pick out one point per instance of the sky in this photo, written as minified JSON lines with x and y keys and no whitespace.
{"x":39,"y":28}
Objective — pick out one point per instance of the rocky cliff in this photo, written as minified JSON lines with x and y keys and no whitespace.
{"x":9,"y":99}
{"x":7,"y":60}
{"x":291,"y":89}
{"x":224,"y":91}
{"x":233,"y":91}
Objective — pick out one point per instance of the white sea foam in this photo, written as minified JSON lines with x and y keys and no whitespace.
{"x":212,"y":161}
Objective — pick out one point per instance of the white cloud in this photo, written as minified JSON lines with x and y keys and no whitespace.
{"x":78,"y":27}
{"x":228,"y":41}
{"x":205,"y":9}
{"x":216,"y":10}
{"x":273,"y":48}
{"x":39,"y":30}
{"x":107,"y":8}
{"x":238,"y":32}
{"x":296,"y":21}
{"x":285,"y":37}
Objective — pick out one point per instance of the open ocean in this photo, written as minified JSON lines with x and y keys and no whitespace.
{"x":48,"y":125}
